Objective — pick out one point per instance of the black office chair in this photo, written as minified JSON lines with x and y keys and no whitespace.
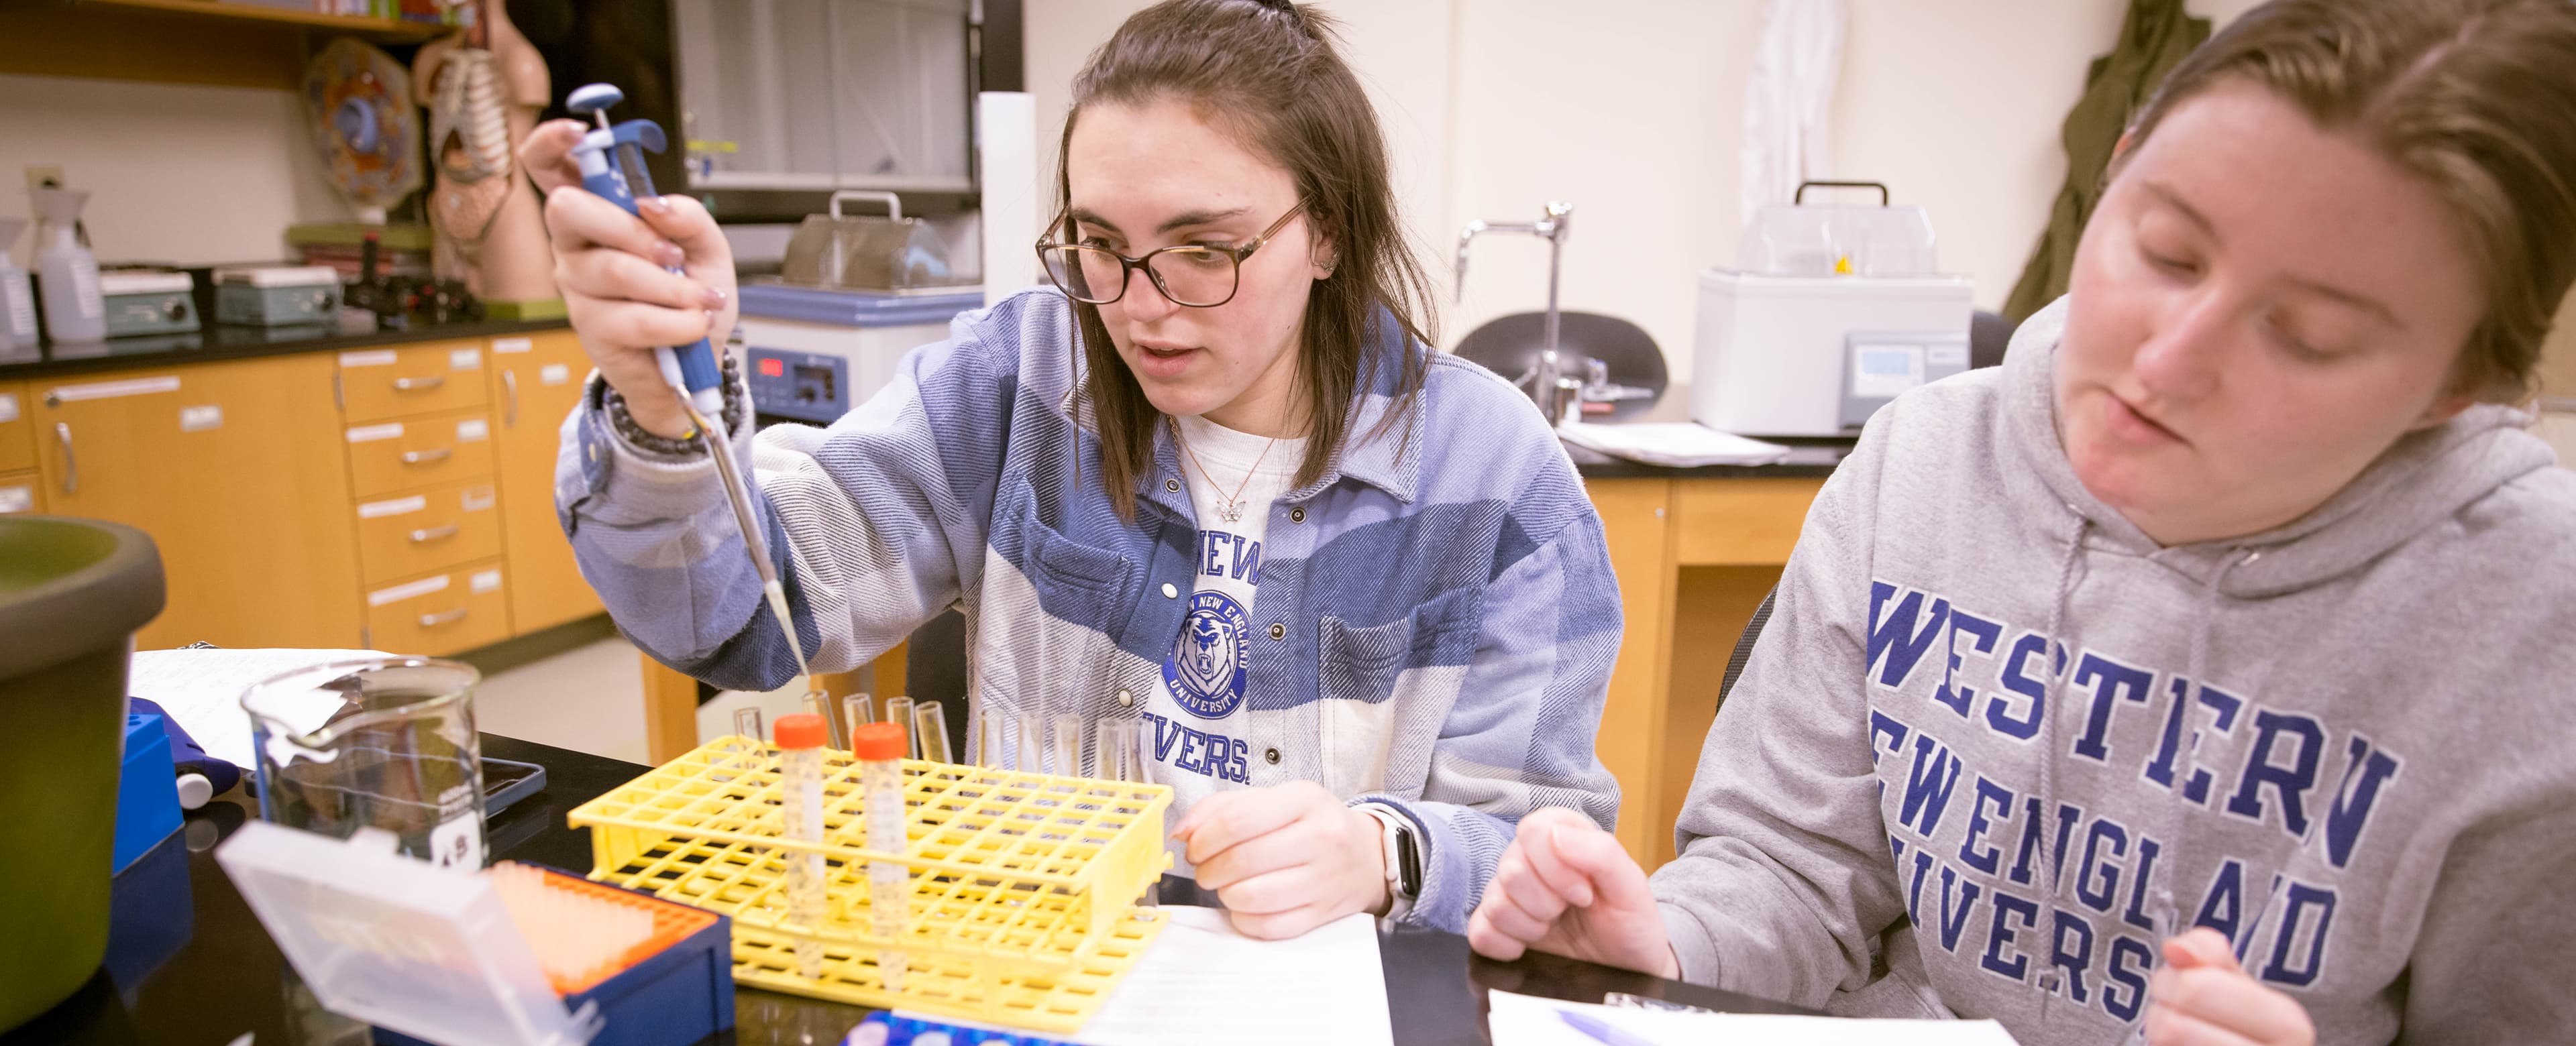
{"x":1509,"y":346}
{"x":1988,"y":336}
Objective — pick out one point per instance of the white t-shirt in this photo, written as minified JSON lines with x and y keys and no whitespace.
{"x":1195,"y":718}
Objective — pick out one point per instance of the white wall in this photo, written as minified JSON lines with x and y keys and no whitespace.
{"x":176,"y":173}
{"x":1633,"y":112}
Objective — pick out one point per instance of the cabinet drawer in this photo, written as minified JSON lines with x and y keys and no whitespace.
{"x":18,"y":493}
{"x":376,"y":384}
{"x":17,"y":430}
{"x":390,"y":456}
{"x":431,"y":530}
{"x":441,"y":613}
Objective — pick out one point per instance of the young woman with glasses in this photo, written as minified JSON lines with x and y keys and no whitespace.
{"x":1214,"y":479}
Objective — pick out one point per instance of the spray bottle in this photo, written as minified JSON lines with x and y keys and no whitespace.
{"x":17,"y":299}
{"x":73,"y":310}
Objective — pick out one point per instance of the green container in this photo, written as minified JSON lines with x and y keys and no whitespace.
{"x":72,"y":592}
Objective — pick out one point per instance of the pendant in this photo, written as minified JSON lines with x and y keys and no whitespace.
{"x":1230,"y":512}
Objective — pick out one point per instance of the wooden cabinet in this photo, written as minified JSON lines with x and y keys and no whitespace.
{"x":237,"y":478}
{"x":21,"y":492}
{"x":429,"y":530}
{"x":17,"y":431}
{"x":390,"y":456}
{"x":441,"y":613}
{"x":371,"y":498}
{"x":536,"y":381}
{"x":376,"y":384}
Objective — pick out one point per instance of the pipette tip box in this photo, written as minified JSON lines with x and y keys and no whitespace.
{"x":518,"y":956}
{"x":679,"y":990}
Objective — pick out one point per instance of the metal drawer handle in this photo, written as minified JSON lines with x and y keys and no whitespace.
{"x":423,"y":457}
{"x":446,"y":618}
{"x":434,"y":533}
{"x":71,"y":465}
{"x":510,"y":384}
{"x":430,"y":382}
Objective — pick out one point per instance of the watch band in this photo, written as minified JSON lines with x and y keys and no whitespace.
{"x":1403,"y":858}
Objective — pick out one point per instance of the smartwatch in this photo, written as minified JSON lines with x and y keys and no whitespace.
{"x":1403,"y":858}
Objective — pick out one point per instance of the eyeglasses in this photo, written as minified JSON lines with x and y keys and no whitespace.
{"x":1192,"y":275}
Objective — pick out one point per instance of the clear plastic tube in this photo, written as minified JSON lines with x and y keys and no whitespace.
{"x":800,"y":796}
{"x":879,"y":749}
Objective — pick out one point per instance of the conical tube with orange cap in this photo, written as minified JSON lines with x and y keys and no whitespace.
{"x":800,"y":740}
{"x":879,"y":749}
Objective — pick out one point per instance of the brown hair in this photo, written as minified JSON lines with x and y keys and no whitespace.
{"x":1268,"y":73}
{"x":2477,"y":97}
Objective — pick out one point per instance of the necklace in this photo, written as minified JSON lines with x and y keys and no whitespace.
{"x":1229,"y":510}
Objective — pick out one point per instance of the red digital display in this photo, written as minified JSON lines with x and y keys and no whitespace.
{"x":772,"y":367}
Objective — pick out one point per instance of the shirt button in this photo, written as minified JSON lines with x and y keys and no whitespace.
{"x":1271,"y":755}
{"x":2048,"y":981}
{"x":1172,"y":486}
{"x":1126,"y":699}
{"x":1169,"y":592}
{"x":1278,"y":631}
{"x":1296,"y":515}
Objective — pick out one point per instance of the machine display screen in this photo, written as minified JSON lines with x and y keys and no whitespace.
{"x":1882,"y":370}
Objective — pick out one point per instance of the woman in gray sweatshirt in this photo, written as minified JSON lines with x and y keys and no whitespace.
{"x":2206,"y":673}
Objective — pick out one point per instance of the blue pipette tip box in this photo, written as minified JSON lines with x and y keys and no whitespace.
{"x":678,"y":996}
{"x":147,"y":790}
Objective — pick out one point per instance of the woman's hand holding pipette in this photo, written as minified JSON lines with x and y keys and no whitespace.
{"x":2203,"y":998}
{"x":1567,"y":887}
{"x":1285,"y":859}
{"x":612,"y":269}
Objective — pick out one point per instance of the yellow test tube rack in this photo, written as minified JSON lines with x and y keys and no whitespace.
{"x":1024,"y":886}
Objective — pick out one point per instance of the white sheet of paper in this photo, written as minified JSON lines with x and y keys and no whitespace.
{"x":1678,"y":444}
{"x":202,"y":689}
{"x":1202,"y":982}
{"x":1523,"y":1020}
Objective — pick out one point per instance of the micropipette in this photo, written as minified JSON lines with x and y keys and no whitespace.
{"x":611,"y":159}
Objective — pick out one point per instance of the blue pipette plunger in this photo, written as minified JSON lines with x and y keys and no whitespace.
{"x":611,"y":159}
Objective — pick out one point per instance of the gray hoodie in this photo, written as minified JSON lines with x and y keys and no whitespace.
{"x":1995,"y":744}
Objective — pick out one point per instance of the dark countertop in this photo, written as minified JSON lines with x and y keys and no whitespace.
{"x":1808,"y":459}
{"x":227,"y":342}
{"x":188,"y":962}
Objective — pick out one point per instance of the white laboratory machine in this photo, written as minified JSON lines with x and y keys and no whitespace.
{"x":1830,"y":312}
{"x":815,"y":353}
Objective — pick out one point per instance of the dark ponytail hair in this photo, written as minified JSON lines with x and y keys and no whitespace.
{"x":1268,"y":72}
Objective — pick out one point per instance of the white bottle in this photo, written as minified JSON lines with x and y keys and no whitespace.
{"x":17,"y":298}
{"x":73,"y":310}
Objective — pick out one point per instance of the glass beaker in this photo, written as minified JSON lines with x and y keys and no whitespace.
{"x":376,"y":742}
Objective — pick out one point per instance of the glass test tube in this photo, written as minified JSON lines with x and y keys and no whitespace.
{"x":746,"y":721}
{"x":879,"y":747}
{"x":1065,"y":757}
{"x":930,"y":732}
{"x":991,"y":731}
{"x":857,"y":710}
{"x":1026,"y":754}
{"x":800,"y":796}
{"x":818,"y":703}
{"x":1110,"y":744}
{"x":899,"y":712}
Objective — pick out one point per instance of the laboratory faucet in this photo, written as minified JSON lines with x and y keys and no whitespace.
{"x":1543,"y":379}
